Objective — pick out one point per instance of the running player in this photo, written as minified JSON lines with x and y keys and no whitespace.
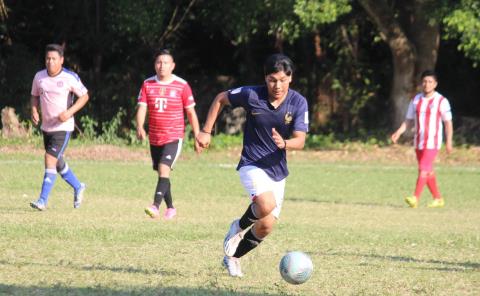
{"x":165,"y":97}
{"x":426,"y":112}
{"x":53,"y":91}
{"x":277,"y":121}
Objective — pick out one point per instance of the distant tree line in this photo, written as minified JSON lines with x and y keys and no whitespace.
{"x":358,"y":62}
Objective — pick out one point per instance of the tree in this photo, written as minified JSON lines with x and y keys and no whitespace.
{"x":412,"y":34}
{"x":463,"y":24}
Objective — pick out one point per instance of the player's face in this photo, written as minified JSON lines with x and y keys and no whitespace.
{"x":429,"y":83}
{"x":53,"y":62}
{"x":277,"y":85}
{"x":164,"y":66}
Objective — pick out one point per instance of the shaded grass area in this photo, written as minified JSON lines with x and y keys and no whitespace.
{"x":350,"y":218}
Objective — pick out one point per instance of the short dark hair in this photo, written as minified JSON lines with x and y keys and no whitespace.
{"x":54,"y":47}
{"x":163,"y":51}
{"x":277,"y":63}
{"x":429,"y":73}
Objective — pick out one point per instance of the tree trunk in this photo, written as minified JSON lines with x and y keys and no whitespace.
{"x":403,"y":56}
{"x":425,"y":34}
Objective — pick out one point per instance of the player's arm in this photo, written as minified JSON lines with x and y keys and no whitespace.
{"x":193,"y":119}
{"x":448,"y":135}
{"x":204,"y":136}
{"x":140,"y":119}
{"x":34,"y":102}
{"x":296,"y":142}
{"x":406,"y":125}
{"x":79,"y":103}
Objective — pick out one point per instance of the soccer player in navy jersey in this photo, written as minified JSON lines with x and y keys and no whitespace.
{"x":276,"y":121}
{"x":166,"y":97}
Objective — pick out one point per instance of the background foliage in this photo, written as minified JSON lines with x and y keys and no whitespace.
{"x":344,"y":67}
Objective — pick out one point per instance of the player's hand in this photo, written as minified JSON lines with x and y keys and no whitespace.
{"x":395,"y":137}
{"x":64,"y":116}
{"x":197,"y":147}
{"x":35,"y":117}
{"x":277,"y":138}
{"x":448,"y":148}
{"x":203,"y":139}
{"x":141,"y":133}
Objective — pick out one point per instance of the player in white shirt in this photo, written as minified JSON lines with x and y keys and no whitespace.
{"x":426,"y":112}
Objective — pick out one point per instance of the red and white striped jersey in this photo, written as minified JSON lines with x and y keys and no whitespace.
{"x":166,"y":102}
{"x":428,"y":114}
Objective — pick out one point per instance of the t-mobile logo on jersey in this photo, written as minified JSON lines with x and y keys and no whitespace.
{"x":160,"y":104}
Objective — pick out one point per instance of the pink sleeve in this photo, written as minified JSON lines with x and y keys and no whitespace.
{"x":77,"y":87}
{"x":34,"y":91}
{"x":187,"y":97}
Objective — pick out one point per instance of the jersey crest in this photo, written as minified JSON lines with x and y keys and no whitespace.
{"x":288,"y":118}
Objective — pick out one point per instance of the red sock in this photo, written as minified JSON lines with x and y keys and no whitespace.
{"x":421,"y":181}
{"x":432,"y":185}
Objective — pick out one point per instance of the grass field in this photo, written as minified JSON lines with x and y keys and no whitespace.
{"x":348,"y":216}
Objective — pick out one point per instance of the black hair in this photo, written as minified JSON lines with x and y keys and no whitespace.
{"x":163,"y":51}
{"x":54,"y":47}
{"x":277,"y":63}
{"x":429,"y":73}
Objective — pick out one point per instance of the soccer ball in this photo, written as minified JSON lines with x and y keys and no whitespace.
{"x":296,"y":267}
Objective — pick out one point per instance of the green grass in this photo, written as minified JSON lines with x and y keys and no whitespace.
{"x":350,"y":218}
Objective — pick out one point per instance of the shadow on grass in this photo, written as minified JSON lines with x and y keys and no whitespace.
{"x":160,"y":291}
{"x":444,"y":265}
{"x":340,"y":202}
{"x":97,"y":267}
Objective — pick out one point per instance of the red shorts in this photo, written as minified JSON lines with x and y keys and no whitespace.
{"x":425,"y":159}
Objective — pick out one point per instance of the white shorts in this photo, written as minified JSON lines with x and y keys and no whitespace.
{"x":256,"y":181}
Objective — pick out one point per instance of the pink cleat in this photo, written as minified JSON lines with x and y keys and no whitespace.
{"x":170,"y":213}
{"x":152,"y":211}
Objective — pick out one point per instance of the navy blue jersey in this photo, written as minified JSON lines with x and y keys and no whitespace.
{"x":259,"y":148}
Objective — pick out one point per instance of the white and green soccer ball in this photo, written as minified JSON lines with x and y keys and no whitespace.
{"x":296,"y":267}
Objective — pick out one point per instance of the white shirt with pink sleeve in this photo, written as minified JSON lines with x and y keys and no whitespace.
{"x":56,"y":95}
{"x":428,"y":114}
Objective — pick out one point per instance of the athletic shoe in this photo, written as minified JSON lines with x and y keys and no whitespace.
{"x":233,"y":266}
{"x":232,"y":238}
{"x":411,"y":201}
{"x":38,"y":205}
{"x":152,"y":211}
{"x":78,"y":196}
{"x":437,"y":203}
{"x":170,"y":213}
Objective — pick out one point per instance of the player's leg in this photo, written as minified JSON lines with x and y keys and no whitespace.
{"x":413,"y":201}
{"x":170,"y":155}
{"x":67,"y":174}
{"x":163,"y":158}
{"x":255,"y":235}
{"x":51,"y":151}
{"x":267,"y":198}
{"x":267,"y":206}
{"x":252,"y":238}
{"x":438,"y":201}
{"x":152,"y":210}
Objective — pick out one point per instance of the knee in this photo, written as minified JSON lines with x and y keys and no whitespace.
{"x":60,"y":165}
{"x":265,"y":206}
{"x":263,"y":229}
{"x":423,"y":174}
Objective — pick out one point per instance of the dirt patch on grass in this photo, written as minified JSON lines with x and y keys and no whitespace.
{"x":395,"y":154}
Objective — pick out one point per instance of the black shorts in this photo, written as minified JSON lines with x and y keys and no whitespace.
{"x":166,"y":154}
{"x":55,"y":143}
